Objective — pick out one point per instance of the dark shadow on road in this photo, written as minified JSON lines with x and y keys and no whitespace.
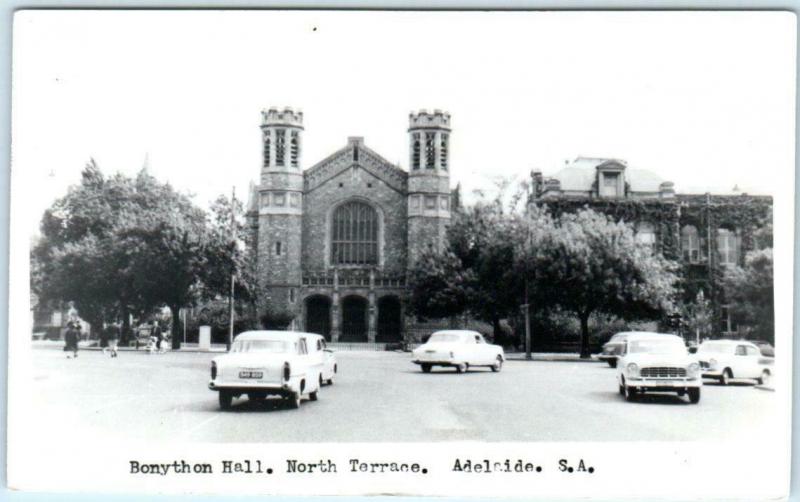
{"x":669,"y":399}
{"x":714,"y":383}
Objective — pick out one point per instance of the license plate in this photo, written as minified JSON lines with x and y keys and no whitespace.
{"x":430,"y":351}
{"x":251,"y":374}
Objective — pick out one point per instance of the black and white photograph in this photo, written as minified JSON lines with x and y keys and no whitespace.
{"x":434,"y":253}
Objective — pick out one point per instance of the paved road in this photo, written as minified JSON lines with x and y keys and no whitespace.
{"x":380,"y":396}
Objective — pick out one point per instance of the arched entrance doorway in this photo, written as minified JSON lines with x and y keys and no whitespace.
{"x":318,"y":316}
{"x":354,"y":319}
{"x":389,"y":325}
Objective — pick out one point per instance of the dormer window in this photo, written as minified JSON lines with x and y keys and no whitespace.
{"x":611,"y":179}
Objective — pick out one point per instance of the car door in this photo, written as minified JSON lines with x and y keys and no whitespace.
{"x":742,"y":363}
{"x":753,"y":361}
{"x":482,"y":351}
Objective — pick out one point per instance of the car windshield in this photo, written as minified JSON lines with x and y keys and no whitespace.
{"x":714,"y":348}
{"x":656,"y":347}
{"x":270,"y":346}
{"x":444,"y":337}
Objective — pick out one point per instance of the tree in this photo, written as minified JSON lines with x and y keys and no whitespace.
{"x":585,"y":263}
{"x":750,"y":294}
{"x":698,"y":316}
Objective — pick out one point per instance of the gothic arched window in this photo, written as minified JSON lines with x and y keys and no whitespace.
{"x":354,"y":235}
{"x":690,"y":244}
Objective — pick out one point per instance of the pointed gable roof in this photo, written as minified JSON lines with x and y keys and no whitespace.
{"x":355,"y":153}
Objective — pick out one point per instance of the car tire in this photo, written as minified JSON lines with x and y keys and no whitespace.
{"x":498,"y":364}
{"x":612,"y":363}
{"x":694,"y":395}
{"x":225,"y":400}
{"x":461,"y":368}
{"x":294,"y":400}
{"x":320,"y":380}
{"x":313,"y":395}
{"x":621,"y":390}
{"x":426,"y":368}
{"x":726,"y":376}
{"x":629,"y":392}
{"x":764,"y":378}
{"x":329,"y":381}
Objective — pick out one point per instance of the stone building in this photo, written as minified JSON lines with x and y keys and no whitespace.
{"x":334,"y":241}
{"x":704,"y":232}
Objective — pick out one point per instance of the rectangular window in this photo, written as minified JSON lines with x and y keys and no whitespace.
{"x":278,"y":248}
{"x":264,"y":200}
{"x":443,"y":152}
{"x":444,"y":202}
{"x":291,"y":295}
{"x":279,"y":199}
{"x":430,"y":202}
{"x":610,"y":179}
{"x":415,"y":202}
{"x":294,"y":199}
{"x":609,"y":184}
{"x":430,"y":151}
{"x":280,"y":147}
{"x":295,"y":148}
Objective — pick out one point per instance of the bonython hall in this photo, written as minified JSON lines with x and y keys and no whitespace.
{"x":334,"y":241}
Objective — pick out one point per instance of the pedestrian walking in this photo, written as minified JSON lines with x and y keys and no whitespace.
{"x":71,"y":337}
{"x":112,"y":333}
{"x":158,"y":335}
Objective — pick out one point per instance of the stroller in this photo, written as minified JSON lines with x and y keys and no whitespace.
{"x":152,"y":346}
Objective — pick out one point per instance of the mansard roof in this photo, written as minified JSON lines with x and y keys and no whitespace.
{"x":580,"y":175}
{"x":355,"y":153}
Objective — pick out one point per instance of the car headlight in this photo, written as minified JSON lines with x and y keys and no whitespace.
{"x":632,"y":369}
{"x":693,"y":369}
{"x":712,"y":363}
{"x":213,"y":370}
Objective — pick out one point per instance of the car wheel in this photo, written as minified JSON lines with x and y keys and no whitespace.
{"x":294,"y":400}
{"x":426,"y":368}
{"x":461,"y":368}
{"x":629,"y":392}
{"x":764,"y":378}
{"x":225,"y":399}
{"x":725,"y":379}
{"x":612,"y":363}
{"x":694,"y":395}
{"x":320,"y":380}
{"x":313,"y":395}
{"x":329,"y":381}
{"x":498,"y":364}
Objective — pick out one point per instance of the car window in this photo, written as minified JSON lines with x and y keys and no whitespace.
{"x":478,"y":339}
{"x":319,"y":344}
{"x":751,"y":351}
{"x":651,"y":346}
{"x":444,"y":337}
{"x":302,"y":348}
{"x":264,"y":346}
{"x":714,"y":348}
{"x":741,"y":350}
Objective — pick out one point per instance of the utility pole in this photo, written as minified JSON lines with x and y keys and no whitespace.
{"x":233,"y":268}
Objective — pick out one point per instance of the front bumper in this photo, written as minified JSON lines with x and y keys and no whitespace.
{"x":709,"y":373}
{"x":656,"y":384}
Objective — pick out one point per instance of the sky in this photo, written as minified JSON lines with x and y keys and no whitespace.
{"x":703,"y":99}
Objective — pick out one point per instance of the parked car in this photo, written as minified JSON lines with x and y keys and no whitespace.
{"x":318,"y":347}
{"x":613,"y":348}
{"x":766,"y":348}
{"x":654,"y":362}
{"x":459,"y":349}
{"x":267,"y":363}
{"x":727,"y":359}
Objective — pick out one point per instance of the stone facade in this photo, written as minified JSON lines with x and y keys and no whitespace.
{"x":704,"y":232}
{"x":334,"y":242}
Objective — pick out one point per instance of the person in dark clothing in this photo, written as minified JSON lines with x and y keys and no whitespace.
{"x":158,"y":334}
{"x":112,"y":339}
{"x":71,"y":337}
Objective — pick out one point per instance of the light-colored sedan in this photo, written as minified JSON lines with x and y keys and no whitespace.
{"x":727,"y":359}
{"x":267,"y":363}
{"x":658,"y":363}
{"x":318,"y":347}
{"x":460,"y":349}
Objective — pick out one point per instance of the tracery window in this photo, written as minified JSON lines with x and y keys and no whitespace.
{"x":690,"y":244}
{"x":354,"y":235}
{"x":267,"y":147}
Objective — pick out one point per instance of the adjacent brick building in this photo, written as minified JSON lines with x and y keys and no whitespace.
{"x":334,"y":242}
{"x":704,"y":232}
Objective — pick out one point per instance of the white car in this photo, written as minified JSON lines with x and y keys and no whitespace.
{"x":654,"y":362}
{"x":267,"y":363}
{"x":319,"y":349}
{"x":727,"y":359}
{"x":460,"y":349}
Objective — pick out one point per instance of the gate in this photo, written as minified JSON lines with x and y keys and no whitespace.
{"x":354,"y":319}
{"x":318,"y":316}
{"x":389,"y":320}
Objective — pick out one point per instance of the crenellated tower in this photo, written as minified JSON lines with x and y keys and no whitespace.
{"x":280,"y":207}
{"x":428,"y":181}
